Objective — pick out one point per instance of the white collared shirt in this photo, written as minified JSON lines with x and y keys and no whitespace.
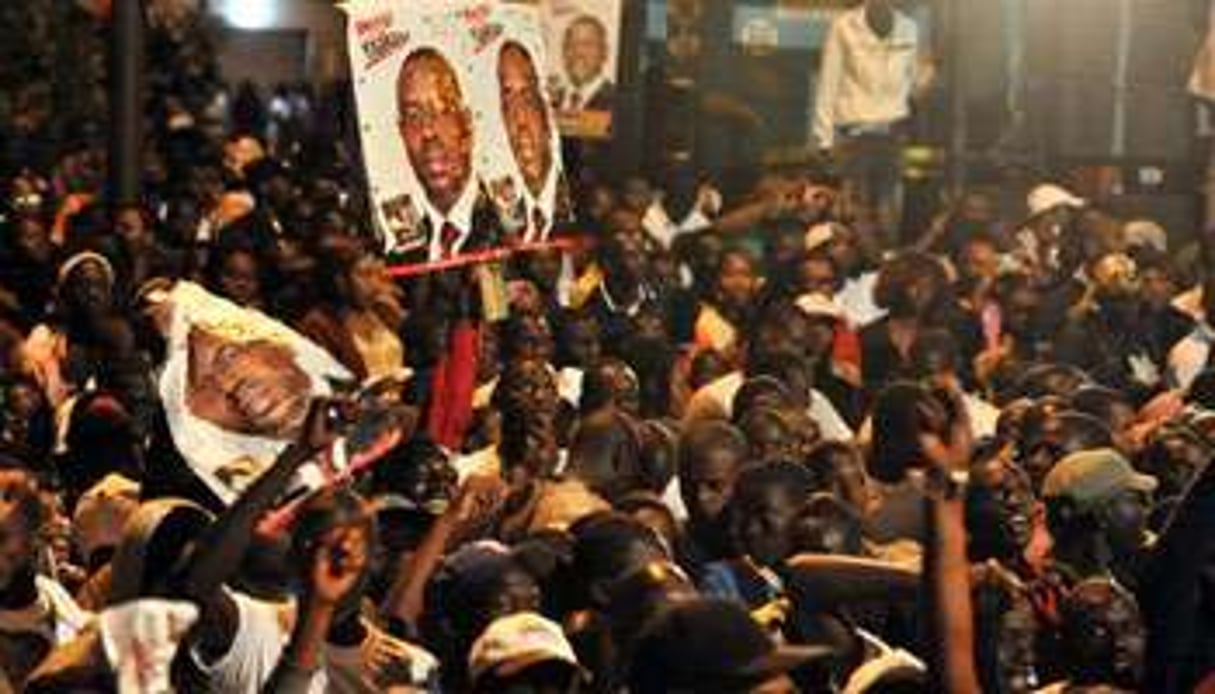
{"x":546,"y":202}
{"x":580,"y":96}
{"x":864,"y":80}
{"x":460,"y":216}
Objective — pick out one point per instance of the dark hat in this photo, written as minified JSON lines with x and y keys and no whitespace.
{"x":711,"y":646}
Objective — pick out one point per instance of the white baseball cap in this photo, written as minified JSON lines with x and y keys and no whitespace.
{"x":1049,"y":196}
{"x":516,"y":642}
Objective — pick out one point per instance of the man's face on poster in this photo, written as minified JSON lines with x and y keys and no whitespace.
{"x":436,"y":127}
{"x":525,"y":117}
{"x":250,"y":387}
{"x":584,"y":50}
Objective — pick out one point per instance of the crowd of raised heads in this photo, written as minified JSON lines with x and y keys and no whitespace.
{"x":722,"y":441}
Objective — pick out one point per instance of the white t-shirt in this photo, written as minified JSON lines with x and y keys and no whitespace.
{"x":53,"y":617}
{"x":716,"y":400}
{"x":263,"y":630}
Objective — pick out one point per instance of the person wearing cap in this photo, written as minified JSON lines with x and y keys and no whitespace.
{"x":524,"y":652}
{"x":853,"y":280}
{"x":712,"y":646}
{"x":1097,"y":508}
{"x":88,"y":342}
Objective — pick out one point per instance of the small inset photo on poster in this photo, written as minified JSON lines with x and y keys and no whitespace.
{"x":583,"y":38}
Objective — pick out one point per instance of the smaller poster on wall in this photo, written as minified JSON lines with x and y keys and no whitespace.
{"x":583,"y":38}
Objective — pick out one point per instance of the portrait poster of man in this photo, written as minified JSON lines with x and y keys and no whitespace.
{"x":583,"y":38}
{"x":521,"y":153}
{"x":236,"y":385}
{"x":434,"y":129}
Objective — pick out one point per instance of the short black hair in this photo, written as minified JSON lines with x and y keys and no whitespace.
{"x":710,"y":435}
{"x":788,"y":476}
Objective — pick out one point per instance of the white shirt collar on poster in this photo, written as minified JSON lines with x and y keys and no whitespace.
{"x":576,"y":98}
{"x":546,"y":202}
{"x":460,"y":216}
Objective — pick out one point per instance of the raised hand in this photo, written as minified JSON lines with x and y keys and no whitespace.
{"x":338,"y":564}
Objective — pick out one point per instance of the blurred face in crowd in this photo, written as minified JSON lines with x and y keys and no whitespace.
{"x":525,"y":116}
{"x":1006,"y":498}
{"x":980,"y":261}
{"x":436,"y":127}
{"x":239,"y":278}
{"x":1157,"y":287}
{"x":34,"y":240}
{"x":626,"y":257}
{"x":844,"y":249}
{"x":623,"y":384}
{"x":241,"y":151}
{"x":515,"y":592}
{"x":846,"y":473}
{"x":708,"y":483}
{"x":736,"y":281}
{"x":816,"y":202}
{"x":431,"y":482}
{"x":817,"y":276}
{"x":820,"y":337}
{"x":581,"y":342}
{"x":1018,"y":312}
{"x":88,"y":288}
{"x":369,"y":282}
{"x":533,"y":339}
{"x":584,"y":50}
{"x":766,"y":522}
{"x":1126,"y":521}
{"x":531,"y":388}
{"x":131,"y":227}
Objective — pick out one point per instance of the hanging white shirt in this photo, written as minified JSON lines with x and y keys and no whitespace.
{"x":864,"y":79}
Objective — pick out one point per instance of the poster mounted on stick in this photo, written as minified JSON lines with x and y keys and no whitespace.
{"x":583,"y":38}
{"x":459,"y":141}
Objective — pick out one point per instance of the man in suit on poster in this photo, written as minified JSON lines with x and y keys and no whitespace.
{"x":529,"y":131}
{"x":436,"y":127}
{"x":584,"y":54}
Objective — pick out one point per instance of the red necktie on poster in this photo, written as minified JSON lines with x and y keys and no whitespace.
{"x":449,"y":237}
{"x":539,"y":222}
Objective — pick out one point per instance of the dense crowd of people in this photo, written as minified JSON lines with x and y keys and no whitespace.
{"x":732,"y":443}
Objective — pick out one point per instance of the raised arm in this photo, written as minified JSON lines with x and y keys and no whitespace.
{"x":947,"y":588}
